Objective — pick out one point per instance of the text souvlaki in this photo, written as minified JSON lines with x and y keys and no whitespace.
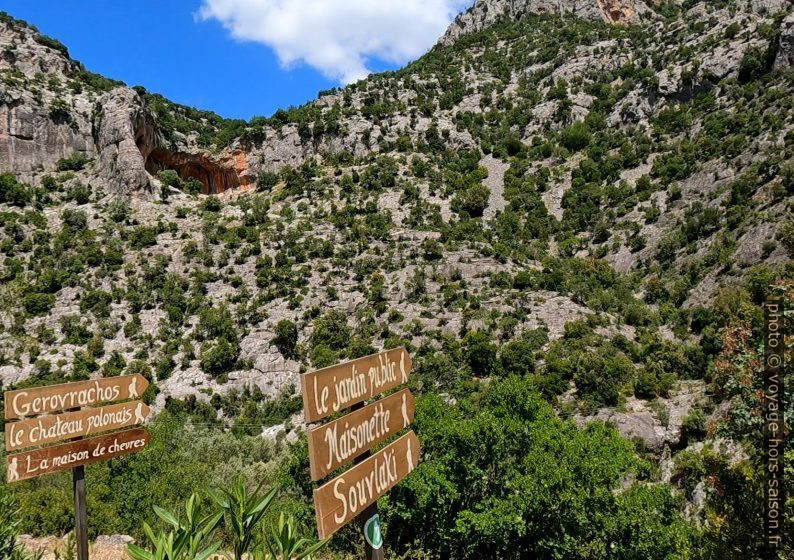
{"x":365,"y":491}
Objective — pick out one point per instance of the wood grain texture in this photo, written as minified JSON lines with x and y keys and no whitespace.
{"x":47,"y":460}
{"x":340,"y":441}
{"x":341,"y":499}
{"x":45,"y":430}
{"x":335,"y":388}
{"x":26,"y":403}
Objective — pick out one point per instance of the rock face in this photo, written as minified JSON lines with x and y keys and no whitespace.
{"x":215,"y":175}
{"x":125,"y":137}
{"x":41,"y":125}
{"x":32,"y":133}
{"x":785,"y":55}
{"x":486,"y":12}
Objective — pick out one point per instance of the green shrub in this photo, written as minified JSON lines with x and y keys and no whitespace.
{"x":576,"y":137}
{"x":331,"y":330}
{"x":13,"y":192}
{"x":219,"y":357}
{"x":286,"y":337}
{"x":75,"y":162}
{"x":38,"y":304}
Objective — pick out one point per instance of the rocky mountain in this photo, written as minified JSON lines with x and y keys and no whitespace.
{"x":552,"y":171}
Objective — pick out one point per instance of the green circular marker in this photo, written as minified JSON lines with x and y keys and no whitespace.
{"x":372,"y":532}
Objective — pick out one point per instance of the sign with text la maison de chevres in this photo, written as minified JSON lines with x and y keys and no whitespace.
{"x":31,"y":421}
{"x":350,"y":437}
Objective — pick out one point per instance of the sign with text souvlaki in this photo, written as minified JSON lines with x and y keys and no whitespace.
{"x":340,"y":500}
{"x":335,"y":388}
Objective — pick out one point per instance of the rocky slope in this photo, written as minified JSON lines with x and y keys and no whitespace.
{"x":534,"y":175}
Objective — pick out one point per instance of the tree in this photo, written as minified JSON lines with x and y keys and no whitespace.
{"x":517,"y":358}
{"x":473,"y":201}
{"x":286,"y":337}
{"x":503,"y":477}
{"x":220,"y":357}
{"x":12,"y":191}
{"x":331,"y":330}
{"x":576,"y":137}
{"x":479,"y":353}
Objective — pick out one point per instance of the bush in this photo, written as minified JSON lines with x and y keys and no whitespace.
{"x":59,"y":112}
{"x":286,"y":337}
{"x":599,"y":375}
{"x":219,"y":357}
{"x":9,"y":523}
{"x":693,"y":428}
{"x":517,"y":358}
{"x":331,"y":330}
{"x":266,"y":180}
{"x":479,"y":353}
{"x":38,"y":304}
{"x":13,"y":192}
{"x":75,"y":162}
{"x":576,"y":137}
{"x":143,"y":236}
{"x":755,"y":64}
{"x":472,"y":202}
{"x":211,"y":204}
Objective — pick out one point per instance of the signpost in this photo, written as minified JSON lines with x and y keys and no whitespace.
{"x":354,"y":493}
{"x":36,"y":425}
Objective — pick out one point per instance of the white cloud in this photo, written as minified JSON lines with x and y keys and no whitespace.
{"x":337,"y":36}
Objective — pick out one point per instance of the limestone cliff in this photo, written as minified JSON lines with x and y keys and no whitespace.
{"x":486,"y":12}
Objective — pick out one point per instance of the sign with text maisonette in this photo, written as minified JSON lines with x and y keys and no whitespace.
{"x":335,"y":443}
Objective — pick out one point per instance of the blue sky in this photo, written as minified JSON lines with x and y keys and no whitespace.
{"x":239,"y":58}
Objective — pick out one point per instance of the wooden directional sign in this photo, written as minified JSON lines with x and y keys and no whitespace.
{"x":52,"y":398}
{"x":339,"y":501}
{"x":335,"y":388}
{"x":335,"y":443}
{"x":69,"y":425}
{"x":47,"y":460}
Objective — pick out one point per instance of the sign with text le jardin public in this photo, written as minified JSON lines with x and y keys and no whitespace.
{"x":345,"y":387}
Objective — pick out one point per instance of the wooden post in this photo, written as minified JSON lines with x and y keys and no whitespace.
{"x":81,"y":522}
{"x":370,"y":528}
{"x":369,"y":521}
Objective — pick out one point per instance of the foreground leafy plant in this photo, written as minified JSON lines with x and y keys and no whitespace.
{"x":243,"y":512}
{"x":186,"y":541}
{"x":9,"y":523}
{"x":286,"y":545}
